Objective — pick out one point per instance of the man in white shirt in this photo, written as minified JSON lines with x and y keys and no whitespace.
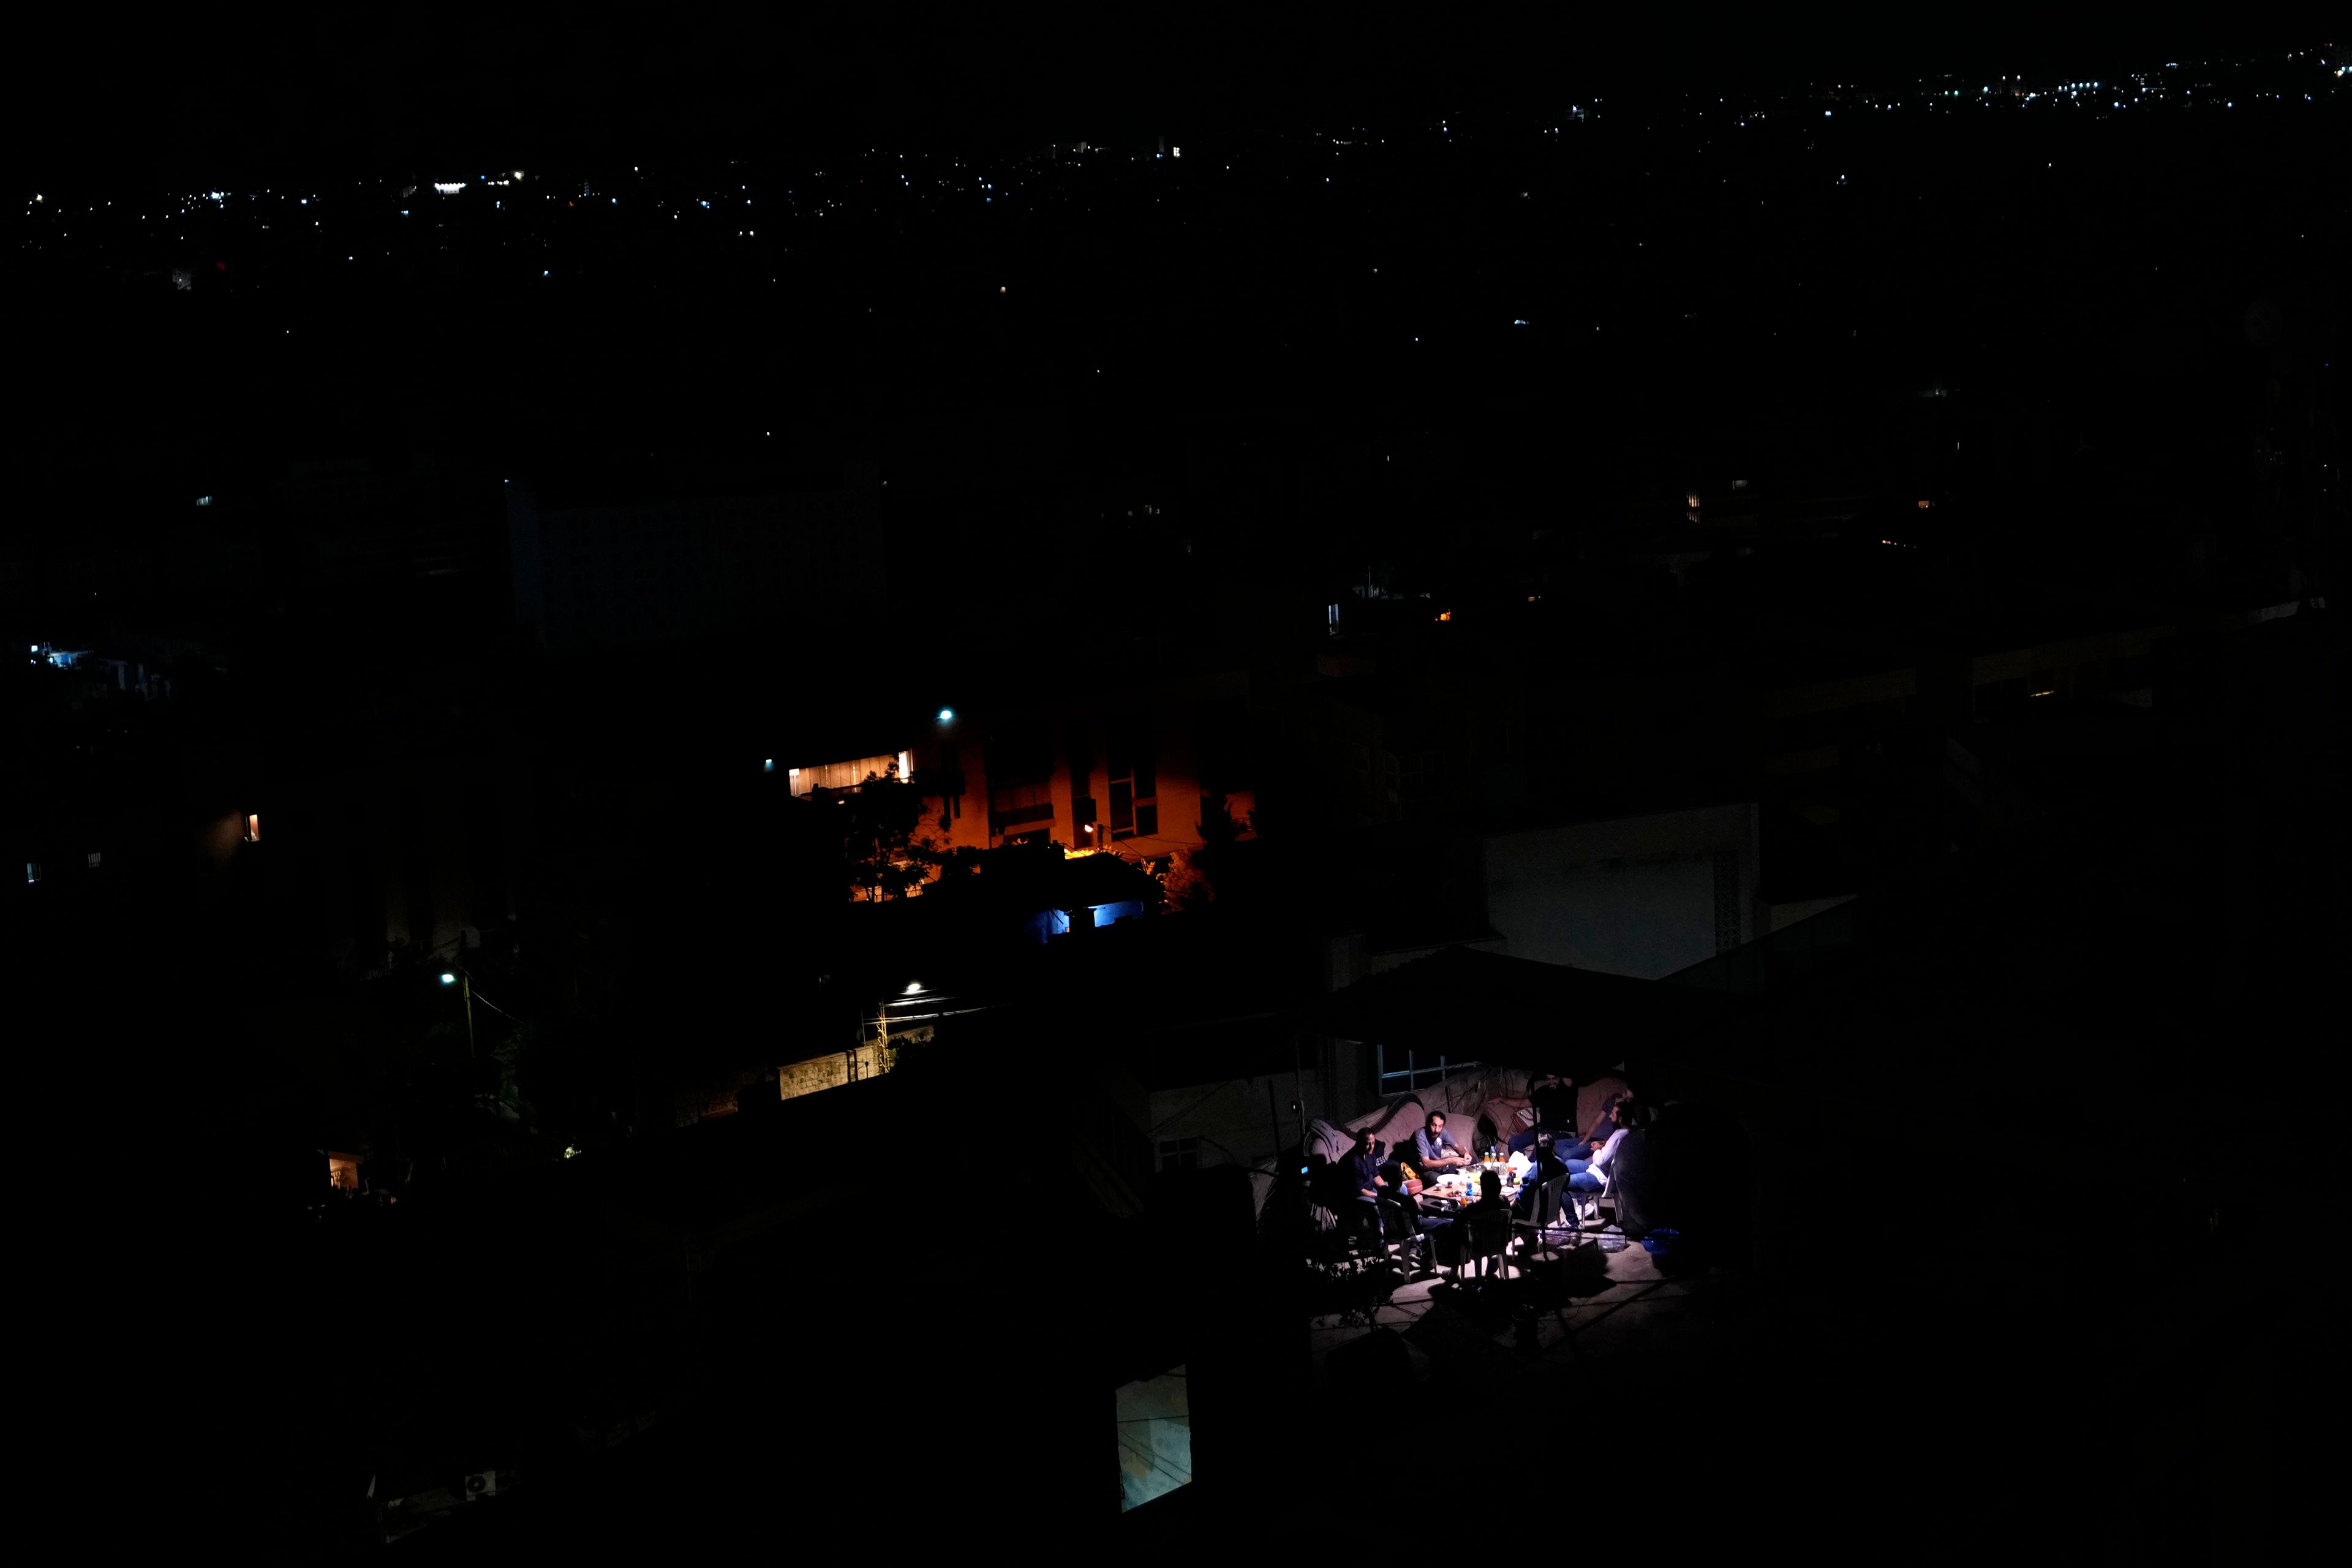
{"x":1589,"y":1183}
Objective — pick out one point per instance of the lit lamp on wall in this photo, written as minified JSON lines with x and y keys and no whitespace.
{"x":253,"y":827}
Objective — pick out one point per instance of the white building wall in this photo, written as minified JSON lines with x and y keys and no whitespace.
{"x":1642,"y":895}
{"x":1233,"y":1120}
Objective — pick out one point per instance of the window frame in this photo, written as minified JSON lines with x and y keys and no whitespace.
{"x":1129,"y":748}
{"x":1413,"y":1075}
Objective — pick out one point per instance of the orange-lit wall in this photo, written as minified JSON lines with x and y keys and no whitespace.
{"x":1175,"y":762}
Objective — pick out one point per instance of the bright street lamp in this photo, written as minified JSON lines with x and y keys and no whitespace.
{"x":449,"y":979}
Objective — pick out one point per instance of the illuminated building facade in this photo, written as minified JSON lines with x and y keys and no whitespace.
{"x":1135,"y":773}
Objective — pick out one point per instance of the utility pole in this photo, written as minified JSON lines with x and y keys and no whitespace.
{"x":460,"y":977}
{"x":468,"y":982}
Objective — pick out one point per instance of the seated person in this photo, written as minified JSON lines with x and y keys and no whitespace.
{"x":1544,"y":1160}
{"x":1553,"y":1101}
{"x":1485,"y":1225}
{"x":1384,"y":1202}
{"x":1546,"y":1165}
{"x":1593,"y":1179}
{"x":1433,"y":1151}
{"x":1490,"y":1193}
{"x":1363,"y":1167}
{"x":1603,"y":1123}
{"x":1406,"y":1218}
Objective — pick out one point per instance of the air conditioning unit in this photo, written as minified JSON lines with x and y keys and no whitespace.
{"x":482,"y":1484}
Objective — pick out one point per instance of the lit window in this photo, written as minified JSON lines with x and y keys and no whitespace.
{"x":1180,"y":1153}
{"x":93,"y":860}
{"x":252,"y":828}
{"x":32,"y":871}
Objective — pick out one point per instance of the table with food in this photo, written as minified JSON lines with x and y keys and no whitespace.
{"x":1450,"y":1192}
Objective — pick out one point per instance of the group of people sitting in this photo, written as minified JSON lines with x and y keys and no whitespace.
{"x":1386,"y":1185}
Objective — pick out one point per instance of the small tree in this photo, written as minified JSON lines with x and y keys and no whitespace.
{"x":880,"y":857}
{"x":1187,"y":881}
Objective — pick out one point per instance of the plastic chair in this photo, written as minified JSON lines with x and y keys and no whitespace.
{"x":1543,"y":1210}
{"x":1582,"y":1209}
{"x":1485,"y":1236}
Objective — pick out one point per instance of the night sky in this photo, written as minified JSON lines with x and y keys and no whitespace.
{"x":369,"y":89}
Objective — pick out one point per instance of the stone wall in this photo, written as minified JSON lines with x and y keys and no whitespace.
{"x":717,"y":1096}
{"x":836,"y":1068}
{"x":827,"y":1071}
